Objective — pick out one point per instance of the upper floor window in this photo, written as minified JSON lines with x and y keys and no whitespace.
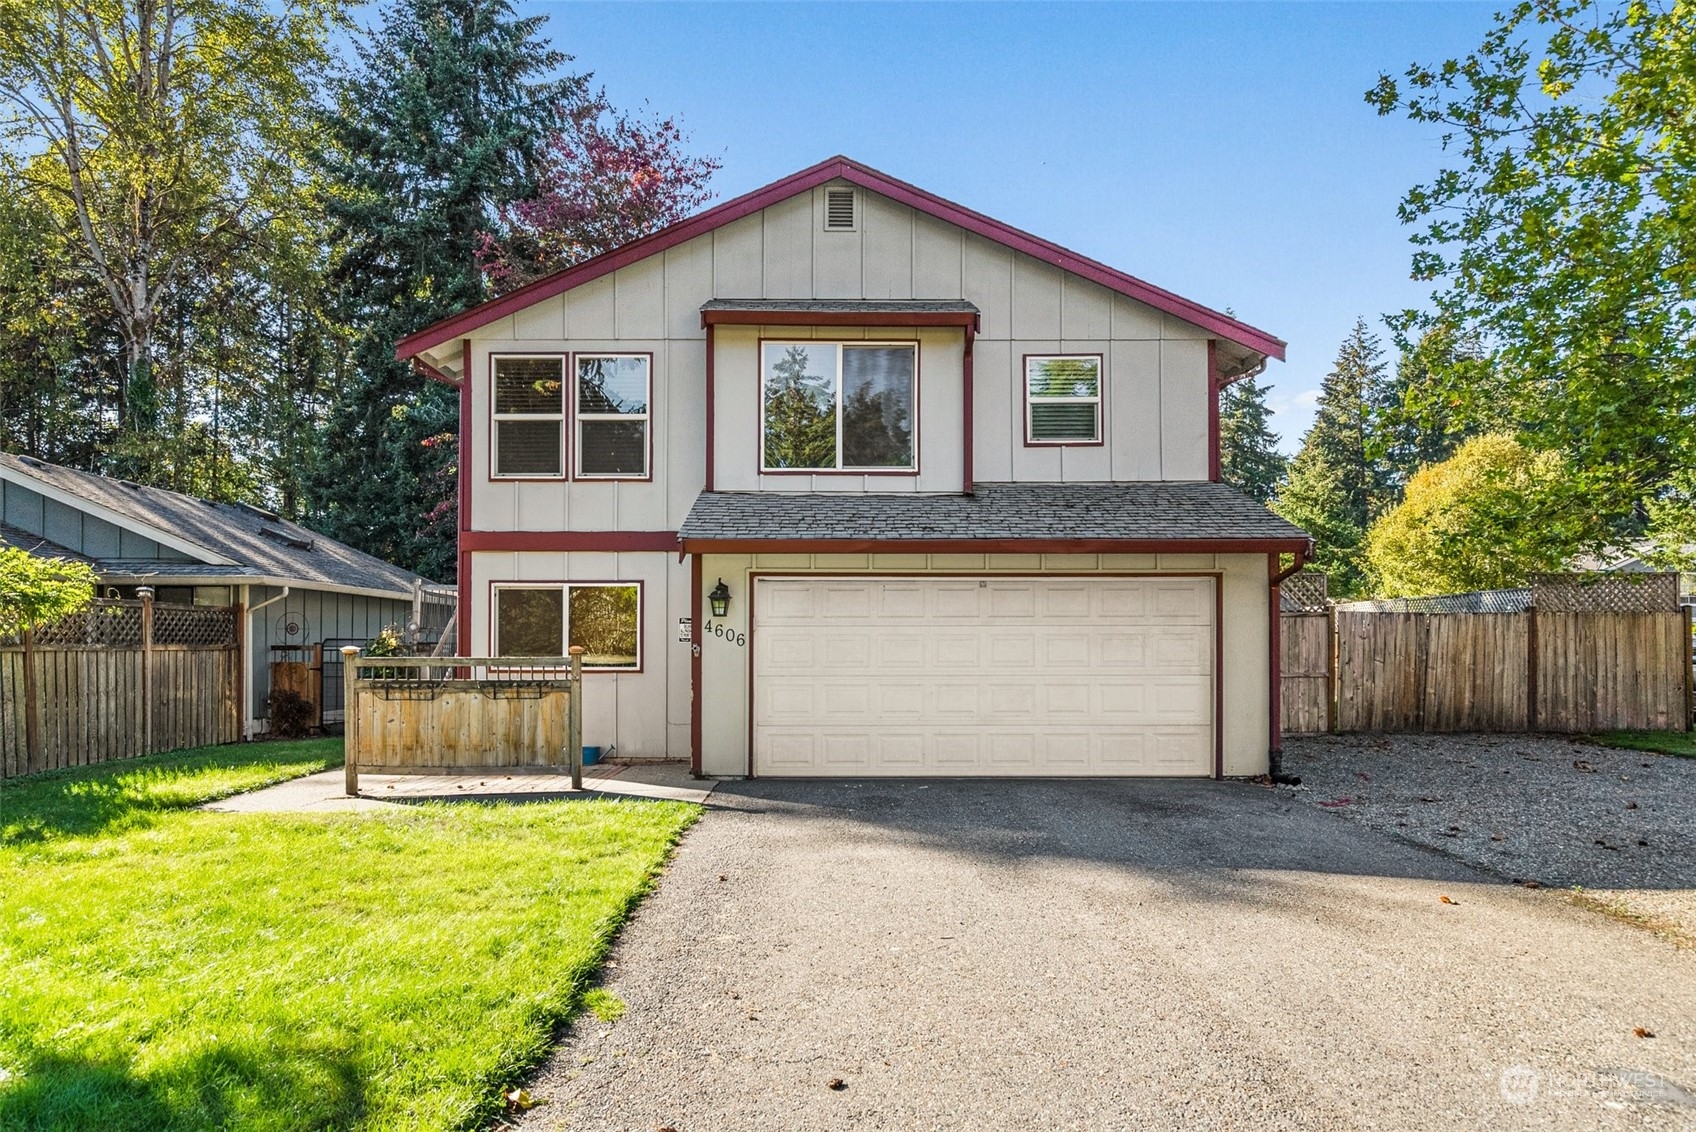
{"x":612,"y":415}
{"x":529,"y":432}
{"x":838,"y":406}
{"x":1063,"y":399}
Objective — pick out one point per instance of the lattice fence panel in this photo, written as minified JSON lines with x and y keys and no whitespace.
{"x":1303,"y":592}
{"x":108,"y":624}
{"x":1605,"y":593}
{"x":195,"y":625}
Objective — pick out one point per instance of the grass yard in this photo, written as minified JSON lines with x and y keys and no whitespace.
{"x":166,"y":968}
{"x":1682,"y":743}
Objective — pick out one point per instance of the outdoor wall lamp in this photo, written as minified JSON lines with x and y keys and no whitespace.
{"x":720,"y":599}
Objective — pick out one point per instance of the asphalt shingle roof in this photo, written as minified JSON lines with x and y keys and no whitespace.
{"x":11,"y":535}
{"x":995,"y":511}
{"x":260,"y":545}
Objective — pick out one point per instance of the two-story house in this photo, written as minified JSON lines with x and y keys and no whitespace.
{"x":841,"y":478}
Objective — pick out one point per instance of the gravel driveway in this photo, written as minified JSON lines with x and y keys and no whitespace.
{"x":1621,"y":825}
{"x":1105,"y":955}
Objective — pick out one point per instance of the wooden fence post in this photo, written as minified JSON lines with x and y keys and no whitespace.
{"x":1689,"y":675}
{"x":350,"y":719}
{"x":1330,"y":667}
{"x":574,"y":719}
{"x":1531,"y":647}
{"x":32,"y":710}
{"x":145,"y":593}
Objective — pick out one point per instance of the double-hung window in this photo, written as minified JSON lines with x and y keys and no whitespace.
{"x":612,"y":415}
{"x":529,"y":419}
{"x":1063,"y":399}
{"x":544,"y":620}
{"x":838,"y":406}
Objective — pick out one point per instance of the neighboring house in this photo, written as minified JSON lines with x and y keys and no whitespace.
{"x":298,"y":588}
{"x":955,"y":488}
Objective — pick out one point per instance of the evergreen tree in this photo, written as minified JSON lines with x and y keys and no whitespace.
{"x":1335,"y":487}
{"x":1420,"y":416}
{"x":440,"y":128}
{"x":1249,"y":459}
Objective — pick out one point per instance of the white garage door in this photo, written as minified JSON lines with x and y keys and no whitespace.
{"x":983,"y":676}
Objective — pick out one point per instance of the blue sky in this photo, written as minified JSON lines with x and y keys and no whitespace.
{"x":1219,"y":150}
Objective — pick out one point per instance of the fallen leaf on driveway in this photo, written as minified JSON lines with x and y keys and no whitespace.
{"x":518,"y":1100}
{"x":1631,"y":805}
{"x":1643,"y":1032}
{"x":1335,"y":802}
{"x":1444,"y":900}
{"x":1528,"y":884}
{"x":836,"y":1083}
{"x":1498,"y":837}
{"x":1580,"y":764}
{"x":1430,"y":798}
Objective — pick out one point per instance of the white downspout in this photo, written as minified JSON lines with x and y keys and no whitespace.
{"x":247,"y":666}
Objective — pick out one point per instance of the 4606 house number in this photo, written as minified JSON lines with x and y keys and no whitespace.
{"x":725,"y":633}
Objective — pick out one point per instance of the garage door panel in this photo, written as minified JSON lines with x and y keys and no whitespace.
{"x":983,"y":676}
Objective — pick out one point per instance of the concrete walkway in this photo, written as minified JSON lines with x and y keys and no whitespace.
{"x":324,"y":792}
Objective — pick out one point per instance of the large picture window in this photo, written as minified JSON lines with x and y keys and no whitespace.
{"x":544,"y":620}
{"x":1063,"y":399}
{"x":838,"y":406}
{"x":529,"y":433}
{"x":612,"y":416}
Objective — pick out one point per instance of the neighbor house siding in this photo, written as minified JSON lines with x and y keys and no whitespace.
{"x":76,"y":530}
{"x":337,"y":618}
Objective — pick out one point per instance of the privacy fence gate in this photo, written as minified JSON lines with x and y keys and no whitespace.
{"x":1583,"y":653}
{"x":120,"y":679}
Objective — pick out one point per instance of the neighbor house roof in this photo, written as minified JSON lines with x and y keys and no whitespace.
{"x":224,"y":540}
{"x":845,"y":169}
{"x":31,"y":543}
{"x":1207,"y":516}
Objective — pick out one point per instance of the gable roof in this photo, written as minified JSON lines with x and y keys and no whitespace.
{"x":841,"y":168}
{"x":229,"y":540}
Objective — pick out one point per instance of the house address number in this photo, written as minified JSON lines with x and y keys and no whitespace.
{"x":725,"y":633}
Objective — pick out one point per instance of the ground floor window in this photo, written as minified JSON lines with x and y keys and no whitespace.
{"x":545,"y":619}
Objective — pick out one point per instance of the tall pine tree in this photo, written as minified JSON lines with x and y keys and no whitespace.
{"x":440,"y":128}
{"x":1335,"y":487}
{"x":1249,"y":459}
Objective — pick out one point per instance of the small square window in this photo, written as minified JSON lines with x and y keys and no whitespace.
{"x":529,"y":434}
{"x":1063,"y":399}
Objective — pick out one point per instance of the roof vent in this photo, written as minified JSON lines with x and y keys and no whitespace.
{"x":131,"y":484}
{"x":31,"y":461}
{"x":287,"y":539}
{"x":260,"y":511}
{"x":839,"y":210}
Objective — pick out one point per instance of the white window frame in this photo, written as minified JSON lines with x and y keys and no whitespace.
{"x":496,"y":417}
{"x":909,"y":469}
{"x":565,"y":589}
{"x":1031,"y":439}
{"x":578,"y":417}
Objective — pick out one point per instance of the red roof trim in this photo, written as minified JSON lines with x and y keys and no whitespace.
{"x":839,"y":318}
{"x":854,"y":173}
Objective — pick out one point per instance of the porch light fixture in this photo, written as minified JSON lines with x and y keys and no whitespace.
{"x":720,"y":599}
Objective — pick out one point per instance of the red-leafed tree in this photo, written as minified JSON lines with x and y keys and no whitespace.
{"x":606,"y":178}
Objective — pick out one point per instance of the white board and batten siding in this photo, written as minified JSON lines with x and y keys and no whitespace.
{"x":983,"y":676}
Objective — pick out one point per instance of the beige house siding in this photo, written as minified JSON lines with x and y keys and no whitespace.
{"x":1154,"y":414}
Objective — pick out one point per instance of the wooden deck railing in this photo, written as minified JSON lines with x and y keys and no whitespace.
{"x":462,"y":715}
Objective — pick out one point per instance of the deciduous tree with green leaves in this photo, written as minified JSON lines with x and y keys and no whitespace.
{"x":1562,"y":229}
{"x":160,"y":135}
{"x":1489,"y":517}
{"x":35,"y":590}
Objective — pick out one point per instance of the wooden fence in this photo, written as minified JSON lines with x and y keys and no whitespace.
{"x":419,"y":715}
{"x":121,"y":679}
{"x":1534,"y":670}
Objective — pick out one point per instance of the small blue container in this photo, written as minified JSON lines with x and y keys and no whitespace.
{"x":591,"y":756}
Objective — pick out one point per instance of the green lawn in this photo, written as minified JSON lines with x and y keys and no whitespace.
{"x":1682,"y":743}
{"x":165,"y":968}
